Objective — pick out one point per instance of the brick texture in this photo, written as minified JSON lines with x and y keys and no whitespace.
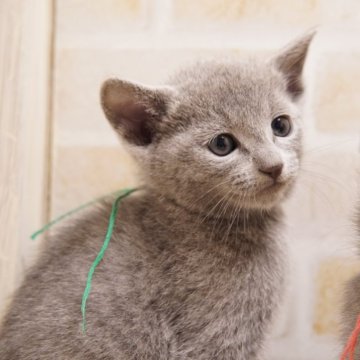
{"x":79,"y":19}
{"x":337,"y":94}
{"x":82,"y":174}
{"x":330,"y":280}
{"x":300,"y":12}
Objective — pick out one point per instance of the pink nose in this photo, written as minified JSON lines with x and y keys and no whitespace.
{"x":272,"y":171}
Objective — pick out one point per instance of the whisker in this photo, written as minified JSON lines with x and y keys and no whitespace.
{"x":329,"y":145}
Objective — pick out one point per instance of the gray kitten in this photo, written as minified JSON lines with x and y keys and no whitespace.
{"x":194,"y":269}
{"x":351,"y":305}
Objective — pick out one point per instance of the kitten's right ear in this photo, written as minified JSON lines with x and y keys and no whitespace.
{"x":134,"y":110}
{"x":290,"y":62}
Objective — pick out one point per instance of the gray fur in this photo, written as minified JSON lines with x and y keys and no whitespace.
{"x":195,"y":266}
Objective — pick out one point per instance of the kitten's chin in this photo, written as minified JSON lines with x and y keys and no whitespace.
{"x":269,"y":196}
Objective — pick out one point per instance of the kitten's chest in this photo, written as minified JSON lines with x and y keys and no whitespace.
{"x":225,"y":294}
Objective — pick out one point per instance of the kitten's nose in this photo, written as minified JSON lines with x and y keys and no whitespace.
{"x":273,"y":171}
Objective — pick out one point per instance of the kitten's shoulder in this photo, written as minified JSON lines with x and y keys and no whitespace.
{"x":88,"y":228}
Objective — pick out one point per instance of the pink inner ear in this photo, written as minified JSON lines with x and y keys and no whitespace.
{"x":132,"y":109}
{"x":133,"y":119}
{"x":129,"y":109}
{"x":129,"y":116}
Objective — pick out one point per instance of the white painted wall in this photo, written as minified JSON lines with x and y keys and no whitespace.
{"x":25,"y":48}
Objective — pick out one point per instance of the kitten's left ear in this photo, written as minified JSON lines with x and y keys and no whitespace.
{"x":290,"y":61}
{"x":135,"y":111}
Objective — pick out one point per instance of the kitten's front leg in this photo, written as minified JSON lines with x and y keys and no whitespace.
{"x":214,"y":351}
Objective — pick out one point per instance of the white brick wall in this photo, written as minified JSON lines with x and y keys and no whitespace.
{"x":144,"y":41}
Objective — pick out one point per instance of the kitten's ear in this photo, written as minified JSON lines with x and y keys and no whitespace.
{"x":134,"y":110}
{"x":290,"y":61}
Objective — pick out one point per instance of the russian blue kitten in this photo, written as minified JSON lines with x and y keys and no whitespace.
{"x":194,"y":269}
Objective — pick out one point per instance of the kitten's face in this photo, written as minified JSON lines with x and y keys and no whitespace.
{"x":240,"y":138}
{"x":221,"y":135}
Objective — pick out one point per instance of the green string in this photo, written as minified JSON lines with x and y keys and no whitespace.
{"x":101,"y":253}
{"x":83,"y":206}
{"x":115,"y":207}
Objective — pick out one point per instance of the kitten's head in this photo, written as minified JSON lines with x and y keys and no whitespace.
{"x":219,"y":131}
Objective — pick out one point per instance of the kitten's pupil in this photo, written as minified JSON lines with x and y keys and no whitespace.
{"x":281,"y":126}
{"x":222,"y":145}
{"x":221,"y":142}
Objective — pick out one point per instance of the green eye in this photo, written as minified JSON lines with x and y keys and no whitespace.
{"x":222,"y":145}
{"x":281,"y":126}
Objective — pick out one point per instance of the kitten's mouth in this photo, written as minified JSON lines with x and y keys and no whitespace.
{"x":273,"y":187}
{"x":269,"y":194}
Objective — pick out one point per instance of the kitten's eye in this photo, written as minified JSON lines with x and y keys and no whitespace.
{"x":222,"y":145}
{"x":281,"y":126}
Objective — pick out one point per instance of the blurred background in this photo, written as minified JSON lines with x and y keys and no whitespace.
{"x":57,"y":150}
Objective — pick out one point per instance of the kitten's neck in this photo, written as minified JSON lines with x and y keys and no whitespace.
{"x":244,"y":220}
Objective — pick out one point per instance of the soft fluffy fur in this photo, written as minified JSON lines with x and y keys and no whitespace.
{"x":195,"y":266}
